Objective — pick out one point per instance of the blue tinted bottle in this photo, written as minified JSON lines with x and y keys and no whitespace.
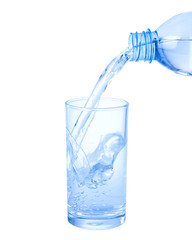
{"x":170,"y":44}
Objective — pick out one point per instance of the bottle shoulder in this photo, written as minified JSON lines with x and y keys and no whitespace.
{"x":175,"y":55}
{"x":178,"y":27}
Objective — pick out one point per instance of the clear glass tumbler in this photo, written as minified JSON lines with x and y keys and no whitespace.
{"x":96,"y":163}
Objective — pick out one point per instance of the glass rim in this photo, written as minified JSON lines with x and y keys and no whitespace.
{"x":122,"y":104}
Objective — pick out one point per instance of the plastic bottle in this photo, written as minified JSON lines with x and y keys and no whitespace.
{"x":170,"y":44}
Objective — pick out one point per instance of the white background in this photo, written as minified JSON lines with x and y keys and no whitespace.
{"x":51,"y":51}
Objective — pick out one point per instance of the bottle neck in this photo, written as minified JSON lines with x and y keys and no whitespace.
{"x":143,"y":45}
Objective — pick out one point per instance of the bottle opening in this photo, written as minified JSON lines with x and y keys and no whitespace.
{"x":143,"y":45}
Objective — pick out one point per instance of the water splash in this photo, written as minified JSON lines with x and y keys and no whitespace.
{"x":96,"y":168}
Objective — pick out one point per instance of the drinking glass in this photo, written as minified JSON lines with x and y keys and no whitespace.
{"x":96,"y":140}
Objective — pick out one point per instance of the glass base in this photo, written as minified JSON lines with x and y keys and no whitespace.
{"x":97,"y":224}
